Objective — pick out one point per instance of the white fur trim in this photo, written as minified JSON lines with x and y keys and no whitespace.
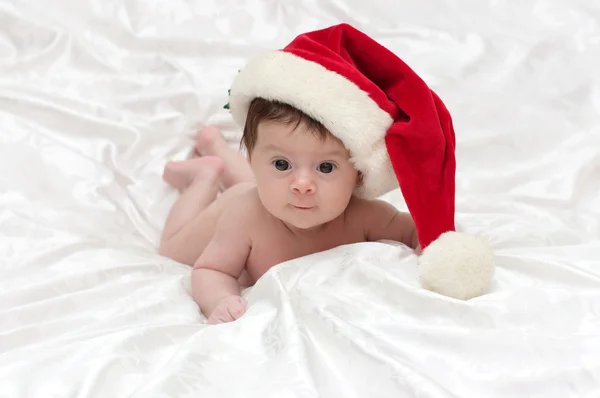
{"x":457,"y":265}
{"x":340,"y":105}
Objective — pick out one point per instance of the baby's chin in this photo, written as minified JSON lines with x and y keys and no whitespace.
{"x":305,"y":226}
{"x":312,"y":220}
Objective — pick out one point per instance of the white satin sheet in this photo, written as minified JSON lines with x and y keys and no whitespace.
{"x":95,"y":97}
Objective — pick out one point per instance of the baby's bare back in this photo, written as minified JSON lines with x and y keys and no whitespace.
{"x":273,"y":242}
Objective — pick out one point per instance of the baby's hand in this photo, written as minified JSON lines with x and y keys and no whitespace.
{"x":228,"y":310}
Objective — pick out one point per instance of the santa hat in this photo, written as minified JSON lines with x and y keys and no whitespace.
{"x":397,"y":130}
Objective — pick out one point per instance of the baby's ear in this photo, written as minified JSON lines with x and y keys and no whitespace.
{"x":359,"y":179}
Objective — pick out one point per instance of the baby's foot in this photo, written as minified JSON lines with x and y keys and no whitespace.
{"x":228,"y":310}
{"x":180,"y":174}
{"x":209,"y":141}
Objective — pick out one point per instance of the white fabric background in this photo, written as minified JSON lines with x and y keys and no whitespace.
{"x":96,"y":95}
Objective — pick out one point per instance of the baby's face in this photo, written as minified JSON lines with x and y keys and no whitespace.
{"x":302,"y":180}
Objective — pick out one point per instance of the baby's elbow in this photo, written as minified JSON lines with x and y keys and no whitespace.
{"x":200,"y":264}
{"x":168,"y":250}
{"x":414,"y":240}
{"x":204,"y":265}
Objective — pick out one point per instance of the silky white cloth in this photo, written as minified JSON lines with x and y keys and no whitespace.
{"x":95,"y":97}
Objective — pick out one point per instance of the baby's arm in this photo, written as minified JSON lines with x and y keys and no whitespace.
{"x":384,"y":221}
{"x":215,"y":285}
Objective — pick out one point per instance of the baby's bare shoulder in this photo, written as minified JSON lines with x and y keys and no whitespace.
{"x":244,"y":210}
{"x":246,"y":216}
{"x":382,"y":220}
{"x":367,"y":211}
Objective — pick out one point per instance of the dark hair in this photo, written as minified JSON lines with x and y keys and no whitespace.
{"x":266,"y":110}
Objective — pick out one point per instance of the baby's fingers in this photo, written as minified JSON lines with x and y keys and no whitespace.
{"x":219,"y":316}
{"x":228,"y":310}
{"x":237,"y":308}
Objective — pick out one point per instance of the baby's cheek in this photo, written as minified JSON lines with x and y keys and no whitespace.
{"x":272,"y":200}
{"x":269,"y":187}
{"x":336,"y":202}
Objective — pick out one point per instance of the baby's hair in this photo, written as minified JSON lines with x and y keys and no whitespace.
{"x":261,"y":110}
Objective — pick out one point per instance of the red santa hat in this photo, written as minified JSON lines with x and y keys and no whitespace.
{"x":397,"y":130}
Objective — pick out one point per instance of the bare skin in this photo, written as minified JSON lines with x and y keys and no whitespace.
{"x":193,"y":218}
{"x":233,"y":239}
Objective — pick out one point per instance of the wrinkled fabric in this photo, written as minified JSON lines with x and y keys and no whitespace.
{"x":95,"y":97}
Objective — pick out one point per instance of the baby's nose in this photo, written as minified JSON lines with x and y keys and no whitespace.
{"x":303,"y":186}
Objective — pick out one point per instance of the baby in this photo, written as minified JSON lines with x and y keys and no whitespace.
{"x":330,"y":122}
{"x":292,"y":197}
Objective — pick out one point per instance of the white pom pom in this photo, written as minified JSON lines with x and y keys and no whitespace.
{"x":457,"y":265}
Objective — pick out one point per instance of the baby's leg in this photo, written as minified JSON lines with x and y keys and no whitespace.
{"x":192,"y":220}
{"x":197,"y":180}
{"x":210,"y":142}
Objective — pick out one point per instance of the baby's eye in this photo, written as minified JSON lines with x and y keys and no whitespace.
{"x":326,"y":167}
{"x":281,"y":165}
